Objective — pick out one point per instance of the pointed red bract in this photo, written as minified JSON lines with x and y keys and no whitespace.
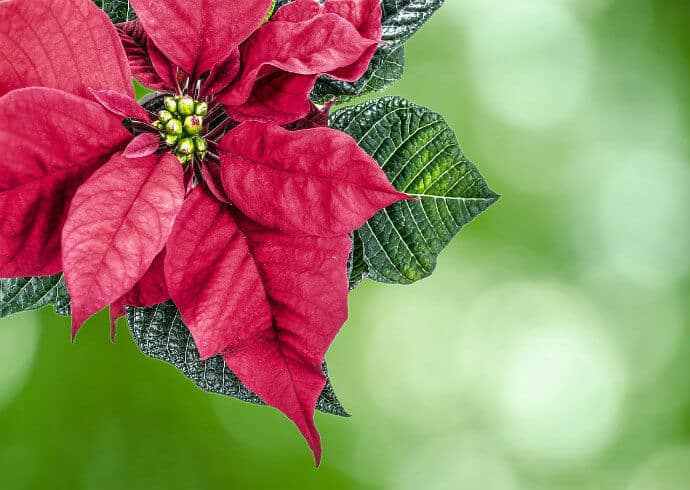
{"x":305,"y":283}
{"x":313,"y":47}
{"x":364,"y":15}
{"x":197,"y":34}
{"x":221,"y":75}
{"x":149,"y":291}
{"x":118,"y":222}
{"x":121,"y":105}
{"x":135,"y":41}
{"x":66,"y":44}
{"x":142,"y":145}
{"x":211,"y":277}
{"x":314,"y":181}
{"x":54,"y":142}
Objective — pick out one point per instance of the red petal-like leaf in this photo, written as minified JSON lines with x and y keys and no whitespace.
{"x":321,"y":45}
{"x":210,"y":172}
{"x":118,"y":222}
{"x":149,"y":291}
{"x":272,"y":303}
{"x":135,"y":42}
{"x":66,"y":44}
{"x":317,"y":118}
{"x":365,"y":15}
{"x":121,"y":105}
{"x":142,"y":145}
{"x":305,"y":281}
{"x":163,"y":66}
{"x":51,"y":142}
{"x":210,"y":276}
{"x":221,"y":75}
{"x":197,"y":34}
{"x":279,"y":97}
{"x":314,"y":181}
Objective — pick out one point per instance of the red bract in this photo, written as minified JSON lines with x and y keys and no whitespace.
{"x":258,"y":70}
{"x":245,"y":226}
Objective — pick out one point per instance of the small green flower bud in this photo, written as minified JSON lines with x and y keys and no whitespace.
{"x":158,"y":125}
{"x":186,"y":105}
{"x":200,"y":144}
{"x":182,"y":157}
{"x":174,"y":126}
{"x":201,"y":109}
{"x":185,"y":146}
{"x":193,"y":124}
{"x":170,"y":104}
{"x":171,"y":139}
{"x":164,"y":116}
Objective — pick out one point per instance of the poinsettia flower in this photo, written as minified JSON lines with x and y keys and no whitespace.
{"x":259,"y":70}
{"x":243,"y":224}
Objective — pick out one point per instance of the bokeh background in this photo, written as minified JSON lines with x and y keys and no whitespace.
{"x":550,"y":350}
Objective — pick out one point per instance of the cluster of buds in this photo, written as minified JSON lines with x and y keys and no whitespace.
{"x":180,"y":124}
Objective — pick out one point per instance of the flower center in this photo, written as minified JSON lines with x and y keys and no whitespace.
{"x":180,"y":124}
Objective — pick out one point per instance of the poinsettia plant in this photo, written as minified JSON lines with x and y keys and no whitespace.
{"x":229,"y":211}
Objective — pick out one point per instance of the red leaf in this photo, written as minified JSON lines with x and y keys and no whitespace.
{"x":135,"y":41}
{"x":162,"y":65}
{"x":118,"y":222}
{"x":121,"y":105}
{"x":197,"y":34}
{"x":306,"y":49}
{"x":211,"y":174}
{"x":149,"y":291}
{"x":317,"y":118}
{"x":279,"y":97}
{"x":272,"y":303}
{"x":52,"y":141}
{"x":221,"y":75}
{"x":211,"y":278}
{"x":365,"y":15}
{"x":314,"y":181}
{"x":142,"y":146}
{"x":305,"y":283}
{"x":66,"y":44}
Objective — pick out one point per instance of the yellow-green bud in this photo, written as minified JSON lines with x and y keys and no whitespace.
{"x":157,"y":125}
{"x":200,"y":144}
{"x":174,"y":126}
{"x":185,"y":146}
{"x":182,"y":157}
{"x":193,"y":124}
{"x":186,"y":106}
{"x":171,"y":139}
{"x":164,"y":116}
{"x":201,"y":109}
{"x":170,"y":104}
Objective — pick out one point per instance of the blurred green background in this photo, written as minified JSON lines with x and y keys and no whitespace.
{"x":550,"y":350}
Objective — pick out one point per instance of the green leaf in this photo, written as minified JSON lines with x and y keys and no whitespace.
{"x":32,"y":293}
{"x":402,"y":18}
{"x":421,"y":156}
{"x":160,"y":333}
{"x":117,"y":10}
{"x":385,"y":69}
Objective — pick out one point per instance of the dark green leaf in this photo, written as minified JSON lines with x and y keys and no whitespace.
{"x":160,"y":334}
{"x":421,"y":156}
{"x":386,"y":68}
{"x":117,"y":10}
{"x":32,"y":293}
{"x":402,"y":18}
